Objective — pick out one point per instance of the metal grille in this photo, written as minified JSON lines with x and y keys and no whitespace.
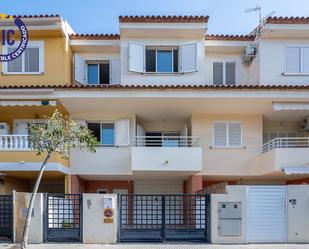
{"x":164,"y":217}
{"x":63,"y":217}
{"x":6,"y":220}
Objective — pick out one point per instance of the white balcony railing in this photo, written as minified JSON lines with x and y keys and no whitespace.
{"x":14,"y":142}
{"x":286,"y":142}
{"x":167,"y":141}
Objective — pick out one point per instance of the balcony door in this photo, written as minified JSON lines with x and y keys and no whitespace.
{"x":162,"y":139}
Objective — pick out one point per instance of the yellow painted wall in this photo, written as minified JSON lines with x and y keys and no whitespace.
{"x":29,"y":156}
{"x":229,"y":161}
{"x":13,"y":183}
{"x":57,"y":65}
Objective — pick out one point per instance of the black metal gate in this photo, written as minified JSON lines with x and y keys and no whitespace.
{"x":63,"y":218}
{"x":6,"y":216}
{"x":164,"y":217}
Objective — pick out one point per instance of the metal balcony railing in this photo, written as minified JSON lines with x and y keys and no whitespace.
{"x":14,"y":142}
{"x":167,"y":141}
{"x":286,"y":142}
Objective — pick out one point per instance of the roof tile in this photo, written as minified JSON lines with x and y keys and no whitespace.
{"x":164,"y":19}
{"x":288,"y":20}
{"x":95,"y":36}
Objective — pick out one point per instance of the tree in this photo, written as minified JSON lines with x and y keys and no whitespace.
{"x":56,"y":136}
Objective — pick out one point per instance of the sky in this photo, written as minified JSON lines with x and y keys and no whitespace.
{"x":101,"y":16}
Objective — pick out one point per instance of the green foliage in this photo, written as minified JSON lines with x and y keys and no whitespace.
{"x":58,"y":134}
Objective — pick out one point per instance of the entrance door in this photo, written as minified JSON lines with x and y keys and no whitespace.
{"x":266,"y":214}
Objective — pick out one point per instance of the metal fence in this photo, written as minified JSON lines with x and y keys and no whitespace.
{"x":286,"y":142}
{"x":63,"y":218}
{"x":146,"y":217}
{"x":167,"y":141}
{"x":6,"y":216}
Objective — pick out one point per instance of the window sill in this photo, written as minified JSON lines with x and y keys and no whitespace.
{"x":227,"y":147}
{"x":162,"y":74}
{"x":24,"y":73}
{"x":295,"y":74}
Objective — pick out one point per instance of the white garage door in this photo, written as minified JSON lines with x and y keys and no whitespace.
{"x":266,"y":214}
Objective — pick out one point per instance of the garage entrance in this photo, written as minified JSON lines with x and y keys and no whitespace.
{"x":156,"y":217}
{"x":266,"y":214}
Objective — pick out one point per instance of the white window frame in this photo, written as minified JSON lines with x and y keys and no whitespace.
{"x":103,"y":190}
{"x":224,"y":70}
{"x":301,"y":60}
{"x":103,"y":122}
{"x":227,"y":134}
{"x":163,"y":48}
{"x":88,"y":62}
{"x":40,"y":45}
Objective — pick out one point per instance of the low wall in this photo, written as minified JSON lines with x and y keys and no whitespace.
{"x":235,"y":193}
{"x":96,"y":228}
{"x":298,"y":210}
{"x":20,"y":211}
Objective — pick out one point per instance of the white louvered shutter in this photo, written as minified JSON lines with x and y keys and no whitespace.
{"x":218,"y":73}
{"x":16,"y":65}
{"x":293,"y":60}
{"x":220,"y":138}
{"x":234,"y":131}
{"x":122,"y":132}
{"x":136,"y":57}
{"x":230,"y":73}
{"x":115,"y":72}
{"x":79,"y":69}
{"x":306,"y":60}
{"x":32,"y":59}
{"x":188,"y":62}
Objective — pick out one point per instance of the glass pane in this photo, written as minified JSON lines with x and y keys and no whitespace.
{"x":164,"y":61}
{"x":104,"y":73}
{"x":93,"y":76}
{"x":32,"y":60}
{"x":107,"y":134}
{"x":16,"y":64}
{"x":95,"y":128}
{"x":150,"y":60}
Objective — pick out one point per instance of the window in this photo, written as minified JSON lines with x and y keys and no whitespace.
{"x":98,"y":73}
{"x":224,"y":73}
{"x":297,"y":60}
{"x":161,"y":60}
{"x":227,"y":134}
{"x":102,"y":191}
{"x":30,"y":62}
{"x":104,"y":132}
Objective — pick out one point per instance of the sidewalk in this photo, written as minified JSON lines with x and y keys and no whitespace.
{"x":157,"y":246}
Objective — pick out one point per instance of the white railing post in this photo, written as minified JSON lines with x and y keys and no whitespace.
{"x":14,"y":142}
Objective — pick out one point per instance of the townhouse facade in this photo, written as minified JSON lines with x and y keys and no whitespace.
{"x":175,"y":109}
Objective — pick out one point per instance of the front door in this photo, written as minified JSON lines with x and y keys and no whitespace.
{"x":266,"y":214}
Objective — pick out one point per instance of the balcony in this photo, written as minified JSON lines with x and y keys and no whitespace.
{"x":288,"y":152}
{"x":14,"y":143}
{"x":168,"y":153}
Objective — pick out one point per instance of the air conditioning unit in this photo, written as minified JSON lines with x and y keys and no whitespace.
{"x":304,"y":124}
{"x":4,"y":129}
{"x":249,"y":53}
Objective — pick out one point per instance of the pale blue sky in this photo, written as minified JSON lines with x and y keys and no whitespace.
{"x":101,"y":16}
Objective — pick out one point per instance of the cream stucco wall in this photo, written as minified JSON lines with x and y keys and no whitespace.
{"x":234,"y":194}
{"x":298,"y":225}
{"x":95,"y":229}
{"x":229,"y":161}
{"x":272,"y":62}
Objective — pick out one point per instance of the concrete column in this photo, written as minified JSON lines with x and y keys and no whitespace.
{"x":193,"y":184}
{"x":77,"y":185}
{"x":20,"y":211}
{"x":97,"y":229}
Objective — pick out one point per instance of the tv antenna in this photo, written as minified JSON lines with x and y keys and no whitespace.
{"x":262,"y":20}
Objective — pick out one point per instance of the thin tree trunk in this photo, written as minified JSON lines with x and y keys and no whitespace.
{"x":24,"y":242}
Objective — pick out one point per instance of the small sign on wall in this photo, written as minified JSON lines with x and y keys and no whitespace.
{"x":24,"y":211}
{"x":107,"y":202}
